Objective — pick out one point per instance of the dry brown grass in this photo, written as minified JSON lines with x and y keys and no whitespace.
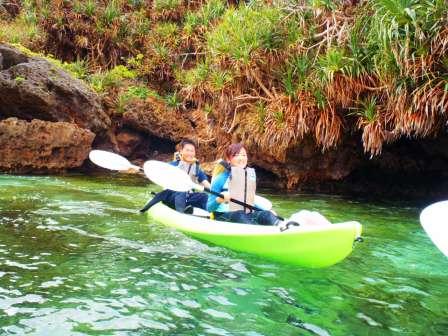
{"x":373,"y":138}
{"x":255,"y":105}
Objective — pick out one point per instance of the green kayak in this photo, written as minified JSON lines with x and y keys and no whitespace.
{"x":306,"y":246}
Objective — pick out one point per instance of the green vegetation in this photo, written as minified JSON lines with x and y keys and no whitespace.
{"x":19,"y":79}
{"x":195,"y":76}
{"x":244,"y":31}
{"x":219,"y":79}
{"x":133,"y":93}
{"x":111,"y":79}
{"x":111,"y":12}
{"x":331,"y":63}
{"x":211,"y":10}
{"x":173,"y":100}
{"x":78,"y":69}
{"x":160,"y":5}
{"x":368,"y":111}
{"x":23,"y":29}
{"x":292,"y":69}
{"x":89,"y":8}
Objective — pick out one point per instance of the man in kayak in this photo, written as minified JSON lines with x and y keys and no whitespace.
{"x":185,"y":159}
{"x":233,"y":179}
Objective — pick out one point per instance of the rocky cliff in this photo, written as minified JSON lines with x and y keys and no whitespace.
{"x":49,"y":121}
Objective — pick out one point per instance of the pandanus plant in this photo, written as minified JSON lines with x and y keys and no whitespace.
{"x":270,"y":72}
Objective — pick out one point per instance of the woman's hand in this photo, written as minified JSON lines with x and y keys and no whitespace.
{"x":226,"y":198}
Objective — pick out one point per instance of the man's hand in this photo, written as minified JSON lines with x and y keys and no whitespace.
{"x":206,"y":184}
{"x":131,"y":171}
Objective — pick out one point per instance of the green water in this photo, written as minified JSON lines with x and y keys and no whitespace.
{"x":77,"y":259}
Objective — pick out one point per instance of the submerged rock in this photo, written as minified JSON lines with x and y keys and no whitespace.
{"x":42,"y":146}
{"x":33,"y":88}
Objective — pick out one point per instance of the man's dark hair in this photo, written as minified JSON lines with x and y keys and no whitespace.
{"x":185,"y":142}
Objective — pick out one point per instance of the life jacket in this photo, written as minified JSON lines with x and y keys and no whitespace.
{"x":192,"y":169}
{"x":221,"y":167}
{"x":242,"y":185}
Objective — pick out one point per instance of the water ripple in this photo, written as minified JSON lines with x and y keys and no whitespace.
{"x":76,"y":259}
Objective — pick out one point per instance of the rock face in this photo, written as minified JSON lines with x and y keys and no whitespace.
{"x":42,"y":146}
{"x":71,"y":114}
{"x":10,"y":9}
{"x":154,"y":118}
{"x":128,"y":141}
{"x":33,"y":88}
{"x":306,"y":163}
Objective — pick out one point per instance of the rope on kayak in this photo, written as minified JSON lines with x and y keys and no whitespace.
{"x":288,"y":225}
{"x":357,"y":240}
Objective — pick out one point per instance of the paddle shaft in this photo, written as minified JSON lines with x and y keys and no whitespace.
{"x":251,"y":207}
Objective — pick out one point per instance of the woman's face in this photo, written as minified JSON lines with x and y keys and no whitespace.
{"x":240,"y":159}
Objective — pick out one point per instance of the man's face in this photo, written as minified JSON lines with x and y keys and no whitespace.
{"x":188,"y":153}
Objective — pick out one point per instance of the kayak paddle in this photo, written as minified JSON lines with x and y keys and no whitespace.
{"x":434,"y":220}
{"x":173,"y":178}
{"x":111,"y":160}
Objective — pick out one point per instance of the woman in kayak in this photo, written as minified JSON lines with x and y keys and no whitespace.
{"x":233,"y":179}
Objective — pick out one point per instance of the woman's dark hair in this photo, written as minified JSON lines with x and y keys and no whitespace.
{"x":233,"y":150}
{"x":185,"y":142}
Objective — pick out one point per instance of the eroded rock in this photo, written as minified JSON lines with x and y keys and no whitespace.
{"x":128,"y":141}
{"x":33,"y":88}
{"x":42,"y":146}
{"x":10,"y":9}
{"x":154,"y":118}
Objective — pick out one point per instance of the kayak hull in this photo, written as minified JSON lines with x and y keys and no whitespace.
{"x":306,"y":246}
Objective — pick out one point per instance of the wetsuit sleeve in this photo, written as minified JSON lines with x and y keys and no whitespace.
{"x":217,"y":185}
{"x":201,"y":175}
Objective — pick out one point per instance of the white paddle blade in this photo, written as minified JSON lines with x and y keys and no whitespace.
{"x":434,"y":220}
{"x":168,"y":176}
{"x":110,"y":160}
{"x":262,"y":203}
